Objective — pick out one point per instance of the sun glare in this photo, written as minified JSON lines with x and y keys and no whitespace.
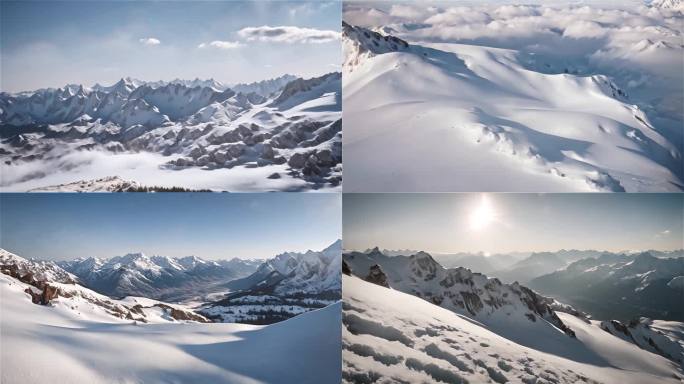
{"x":482,"y":215}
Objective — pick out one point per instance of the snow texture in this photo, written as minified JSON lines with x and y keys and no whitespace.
{"x":392,"y":337}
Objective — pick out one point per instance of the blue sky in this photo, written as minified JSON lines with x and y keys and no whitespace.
{"x":52,"y":43}
{"x":208,"y":225}
{"x":498,"y":223}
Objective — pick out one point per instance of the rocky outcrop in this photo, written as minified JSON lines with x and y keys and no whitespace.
{"x":345,"y":268}
{"x":377,"y":276}
{"x":178,"y":314}
{"x":43,"y":297}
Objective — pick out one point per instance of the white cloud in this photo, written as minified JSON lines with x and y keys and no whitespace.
{"x":288,"y":34}
{"x":410,"y":12}
{"x":663,"y":233}
{"x":149,"y":41}
{"x":218,"y":44}
{"x":582,"y":29}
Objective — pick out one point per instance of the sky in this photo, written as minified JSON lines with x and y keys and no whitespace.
{"x":501,"y":223}
{"x":54,"y":43}
{"x":208,"y":225}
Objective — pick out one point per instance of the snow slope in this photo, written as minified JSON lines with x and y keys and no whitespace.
{"x":389,"y":336}
{"x":511,"y":310}
{"x":191,"y":134}
{"x":56,"y":344}
{"x":437,"y":106}
{"x":665,"y":338}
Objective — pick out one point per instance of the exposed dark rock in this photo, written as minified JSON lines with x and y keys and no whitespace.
{"x":377,"y":276}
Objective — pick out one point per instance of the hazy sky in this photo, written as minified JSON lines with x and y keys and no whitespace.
{"x":208,"y":225}
{"x":498,"y":223}
{"x":52,"y":43}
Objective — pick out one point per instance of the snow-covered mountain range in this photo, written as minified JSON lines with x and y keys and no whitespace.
{"x":287,"y":285}
{"x":158,"y":277}
{"x":48,"y":284}
{"x":492,"y":97}
{"x":620,"y":286}
{"x":283,"y":133}
{"x":391,"y":336}
{"x":236,"y":290}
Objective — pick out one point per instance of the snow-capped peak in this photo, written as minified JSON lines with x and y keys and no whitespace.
{"x":675,"y":5}
{"x":360,"y":43}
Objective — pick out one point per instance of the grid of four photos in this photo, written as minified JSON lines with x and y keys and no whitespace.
{"x":324,"y":192}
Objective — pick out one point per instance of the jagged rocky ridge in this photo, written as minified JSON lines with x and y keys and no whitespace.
{"x":497,"y":305}
{"x":192,"y":123}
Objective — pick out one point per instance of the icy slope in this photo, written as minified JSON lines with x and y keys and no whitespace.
{"x":43,"y":344}
{"x":170,"y":134}
{"x":444,"y":117}
{"x":389,"y":336}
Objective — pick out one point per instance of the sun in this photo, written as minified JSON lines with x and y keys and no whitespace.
{"x":482,"y":215}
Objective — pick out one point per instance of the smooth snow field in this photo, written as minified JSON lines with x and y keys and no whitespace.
{"x":557,"y":98}
{"x":60,"y":344}
{"x":389,"y":337}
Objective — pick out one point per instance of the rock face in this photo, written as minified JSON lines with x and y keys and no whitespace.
{"x":345,"y":268}
{"x":487,"y":300}
{"x":43,"y":298}
{"x":360,"y":43}
{"x":377,"y":276}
